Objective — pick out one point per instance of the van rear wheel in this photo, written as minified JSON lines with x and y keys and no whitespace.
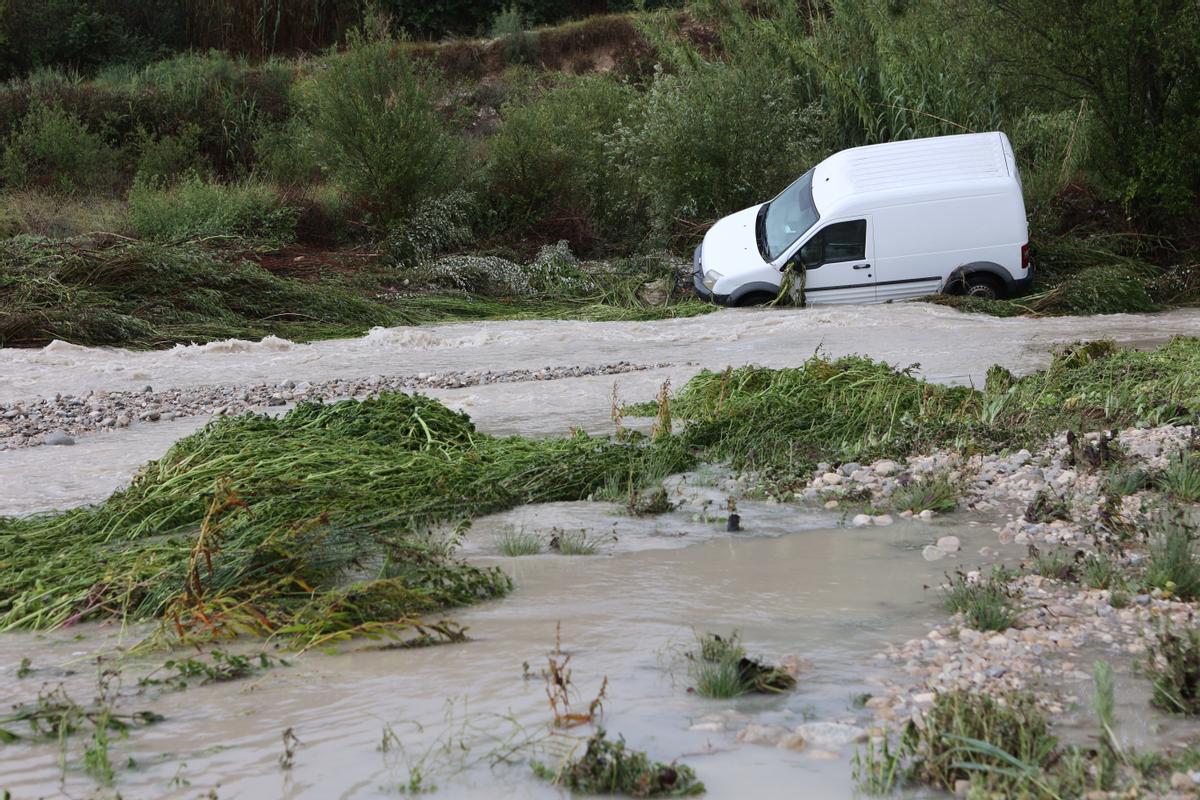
{"x":983,"y":286}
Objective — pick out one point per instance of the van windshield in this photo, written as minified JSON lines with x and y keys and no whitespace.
{"x":783,"y":220}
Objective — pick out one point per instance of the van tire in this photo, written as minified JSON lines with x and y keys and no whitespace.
{"x":983,"y":286}
{"x":754,"y":299}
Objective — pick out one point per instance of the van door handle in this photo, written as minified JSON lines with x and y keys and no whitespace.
{"x":862,"y":266}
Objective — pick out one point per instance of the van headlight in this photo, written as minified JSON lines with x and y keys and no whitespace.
{"x":710,"y":278}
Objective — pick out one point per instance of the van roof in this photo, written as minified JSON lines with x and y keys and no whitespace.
{"x":938,"y":163}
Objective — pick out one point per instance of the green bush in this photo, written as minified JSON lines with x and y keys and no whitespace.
{"x":375,"y":129}
{"x":196,"y":208}
{"x":548,"y":165}
{"x":166,"y":157}
{"x":54,"y":149}
{"x":715,"y":138}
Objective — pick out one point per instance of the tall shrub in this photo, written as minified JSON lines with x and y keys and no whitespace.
{"x":548,"y":166}
{"x":54,"y":149}
{"x":376,"y":131}
{"x":714,"y":138}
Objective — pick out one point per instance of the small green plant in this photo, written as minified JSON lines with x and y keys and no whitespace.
{"x":720,"y":669}
{"x":937,"y":493}
{"x":986,"y":604}
{"x":510,"y":28}
{"x":573,"y":543}
{"x":1172,"y":565}
{"x":1119,"y":598}
{"x":608,"y":767}
{"x":1174,"y":667}
{"x":513,"y":542}
{"x":1056,"y":563}
{"x":1181,"y":478}
{"x":1104,"y":704}
{"x":877,"y":768}
{"x":1003,"y":745}
{"x":1122,"y":482}
{"x":1100,"y":571}
{"x":25,"y":668}
{"x":1046,"y":506}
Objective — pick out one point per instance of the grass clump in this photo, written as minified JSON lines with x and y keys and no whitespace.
{"x":195,"y":208}
{"x":1101,"y":571}
{"x":986,"y":604}
{"x":720,"y":669}
{"x":307,"y":527}
{"x":937,"y":493}
{"x":514,"y":543}
{"x":1124,"y":482}
{"x":1003,"y":746}
{"x":1172,"y":565}
{"x":1181,"y":478}
{"x":1056,"y":563}
{"x":1174,"y":667}
{"x":608,"y":767}
{"x":573,"y":543}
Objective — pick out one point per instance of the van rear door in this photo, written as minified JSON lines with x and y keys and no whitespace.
{"x":837,"y":259}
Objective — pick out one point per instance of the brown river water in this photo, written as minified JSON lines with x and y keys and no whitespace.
{"x":794,"y":582}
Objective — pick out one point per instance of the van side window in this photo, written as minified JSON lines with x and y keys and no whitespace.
{"x":841,"y":241}
{"x":846,"y":241}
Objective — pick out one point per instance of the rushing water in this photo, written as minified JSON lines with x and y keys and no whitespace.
{"x":793,"y":583}
{"x":950,"y":347}
{"x":833,"y":596}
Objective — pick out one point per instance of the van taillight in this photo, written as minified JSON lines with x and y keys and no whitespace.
{"x":1025,"y":256}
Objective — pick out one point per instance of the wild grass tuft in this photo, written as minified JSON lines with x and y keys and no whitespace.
{"x":1181,"y":478}
{"x":1101,"y":571}
{"x":1123,"y":482}
{"x":574,"y":543}
{"x":513,"y":543}
{"x":1174,"y":667}
{"x":937,"y":493}
{"x":1056,"y":562}
{"x":1172,"y":565}
{"x":986,"y":604}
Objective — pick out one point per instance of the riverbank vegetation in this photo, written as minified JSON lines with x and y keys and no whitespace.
{"x":338,"y":142}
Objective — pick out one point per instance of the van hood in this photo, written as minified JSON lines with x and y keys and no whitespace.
{"x":730,"y":246}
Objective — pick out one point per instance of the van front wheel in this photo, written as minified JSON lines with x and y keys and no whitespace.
{"x":754,"y":299}
{"x":983,"y":286}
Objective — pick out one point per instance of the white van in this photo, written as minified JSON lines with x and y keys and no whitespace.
{"x":880,"y":223}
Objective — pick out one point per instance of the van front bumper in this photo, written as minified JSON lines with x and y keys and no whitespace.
{"x":698,"y":280}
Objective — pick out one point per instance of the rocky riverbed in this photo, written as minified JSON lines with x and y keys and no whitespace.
{"x":58,"y":420}
{"x":1062,"y":624}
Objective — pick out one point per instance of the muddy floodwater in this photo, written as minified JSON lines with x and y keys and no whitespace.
{"x":795,"y":582}
{"x":791,"y":584}
{"x":948,"y":346}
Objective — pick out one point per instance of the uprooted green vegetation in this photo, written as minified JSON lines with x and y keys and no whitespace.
{"x":308,"y":527}
{"x":607,"y":767}
{"x":147,"y":295}
{"x":782,"y":422}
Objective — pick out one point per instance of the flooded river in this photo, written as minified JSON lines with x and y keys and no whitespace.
{"x":794,"y":583}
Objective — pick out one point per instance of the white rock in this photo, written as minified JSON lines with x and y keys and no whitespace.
{"x":949,"y":544}
{"x":830,"y":735}
{"x":860,"y":521}
{"x":885,"y":468}
{"x":761,"y":734}
{"x":882,"y":520}
{"x":927,"y":514}
{"x":931,"y":553}
{"x":832,"y":478}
